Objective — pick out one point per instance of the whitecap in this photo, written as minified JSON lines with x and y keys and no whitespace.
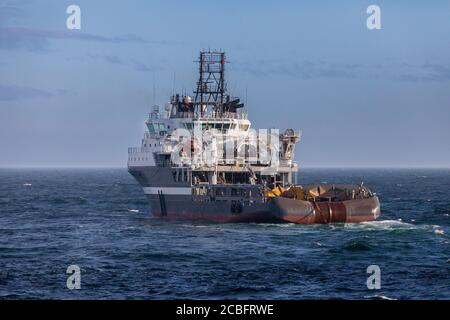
{"x":133,"y":210}
{"x":278,"y":225}
{"x":187,"y":225}
{"x":379,"y":297}
{"x":439,"y":232}
{"x":27,"y":184}
{"x":381,"y":225}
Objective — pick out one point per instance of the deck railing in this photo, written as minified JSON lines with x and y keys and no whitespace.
{"x":213,"y":115}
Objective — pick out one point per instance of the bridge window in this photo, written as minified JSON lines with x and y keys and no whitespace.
{"x":188,"y":125}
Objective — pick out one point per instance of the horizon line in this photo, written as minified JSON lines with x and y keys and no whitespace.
{"x":300,"y":169}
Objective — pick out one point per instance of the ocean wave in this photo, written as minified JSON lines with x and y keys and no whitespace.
{"x":356,"y":245}
{"x":382,"y":225}
{"x":277,"y":225}
{"x":67,"y":200}
{"x":378,"y":297}
{"x":396,"y":226}
{"x":135,"y":202}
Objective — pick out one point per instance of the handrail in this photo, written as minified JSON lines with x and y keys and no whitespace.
{"x":213,"y":115}
{"x":133,"y":150}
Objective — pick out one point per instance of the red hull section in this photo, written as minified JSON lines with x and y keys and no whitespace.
{"x":281,"y":210}
{"x":350,"y":211}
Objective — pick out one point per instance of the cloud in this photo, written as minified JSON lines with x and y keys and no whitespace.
{"x":304,"y":69}
{"x":11,"y":10}
{"x":14,"y":93}
{"x":142,"y":67}
{"x":8,"y":12}
{"x":132,"y":63}
{"x":107,"y":58}
{"x":429,"y":72}
{"x":38,"y":39}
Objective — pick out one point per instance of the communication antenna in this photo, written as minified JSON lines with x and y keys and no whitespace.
{"x":246,"y":93}
{"x":154,"y":92}
{"x":173,"y":83}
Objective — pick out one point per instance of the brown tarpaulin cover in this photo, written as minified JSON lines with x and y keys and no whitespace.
{"x":317,"y":191}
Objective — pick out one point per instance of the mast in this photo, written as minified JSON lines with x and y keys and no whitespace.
{"x":211,"y":86}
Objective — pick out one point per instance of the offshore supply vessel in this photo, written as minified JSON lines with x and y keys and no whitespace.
{"x":201,"y":160}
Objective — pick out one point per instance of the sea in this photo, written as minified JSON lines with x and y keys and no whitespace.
{"x":56,"y":222}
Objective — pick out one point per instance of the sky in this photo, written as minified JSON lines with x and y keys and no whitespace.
{"x":362,"y":98}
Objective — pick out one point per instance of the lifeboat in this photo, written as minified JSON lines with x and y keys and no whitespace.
{"x":324,"y":204}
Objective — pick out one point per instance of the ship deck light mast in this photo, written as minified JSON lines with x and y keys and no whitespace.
{"x":211,"y":86}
